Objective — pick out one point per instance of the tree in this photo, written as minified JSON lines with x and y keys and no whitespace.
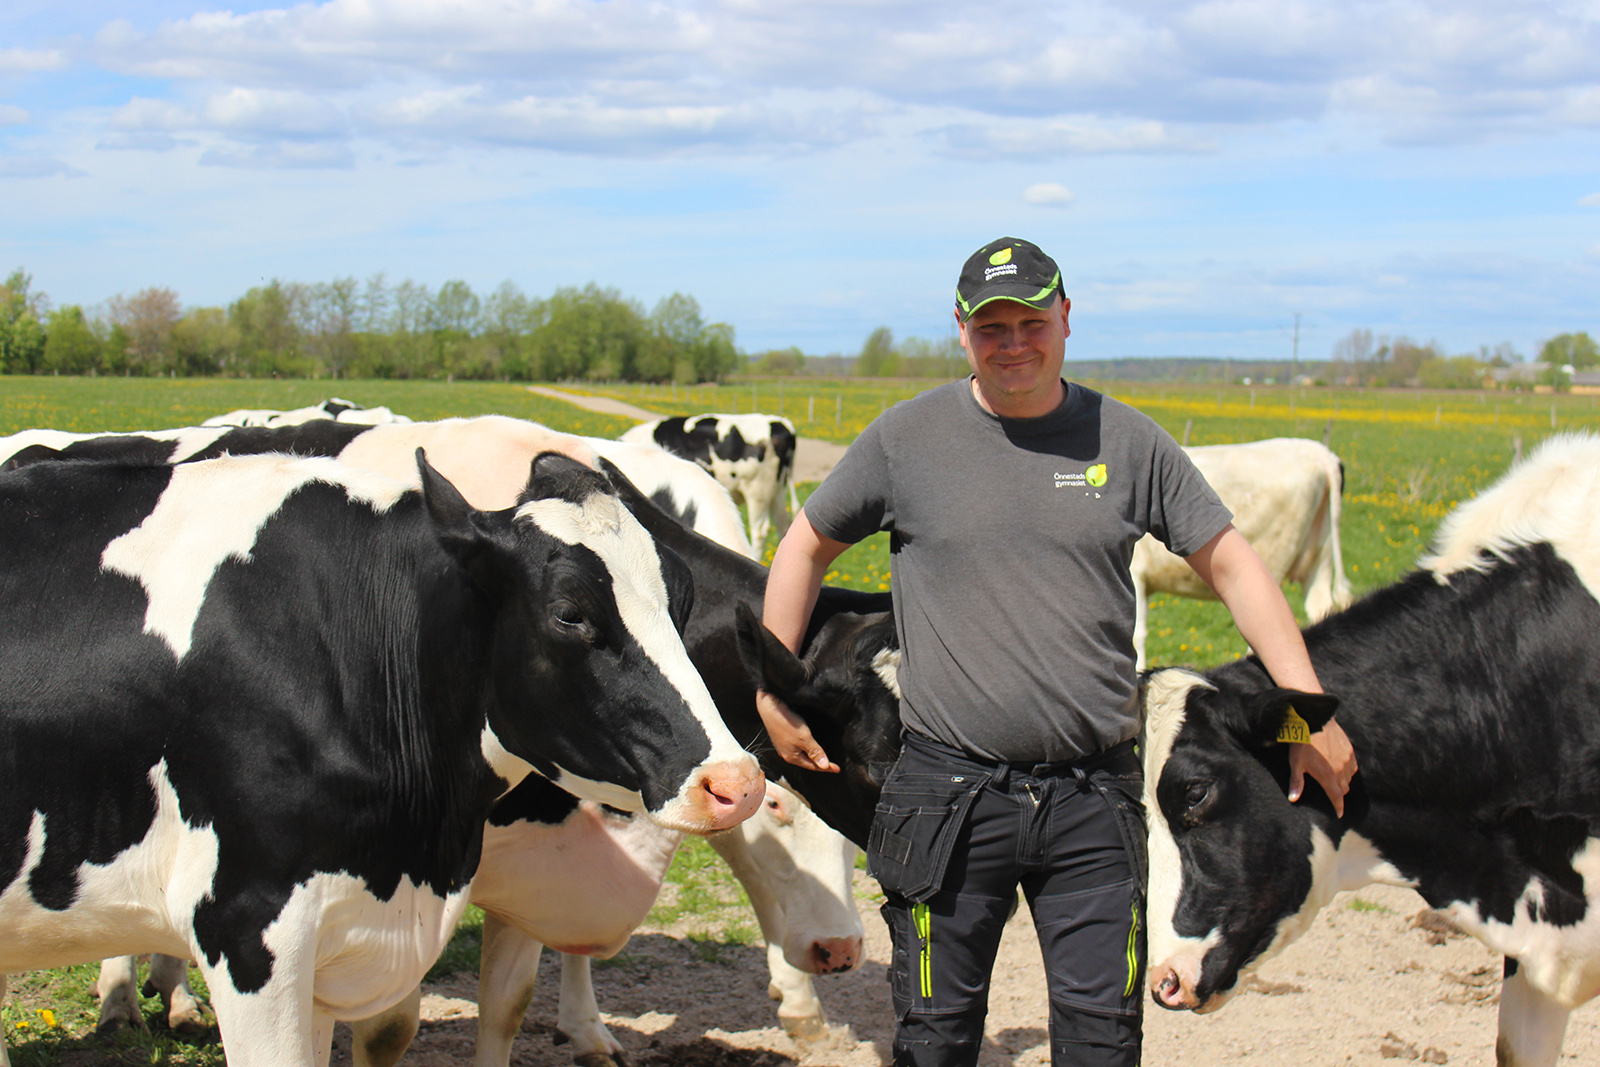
{"x":877,"y":358}
{"x":1575,"y":350}
{"x":204,"y":342}
{"x":1351,"y":352}
{"x":147,"y":317}
{"x":328,"y":318}
{"x":1456,"y":372}
{"x":589,"y":333}
{"x":509,"y":319}
{"x":779,"y":361}
{"x":22,"y":336}
{"x":269,"y":337}
{"x":921,"y":358}
{"x":72,"y":345}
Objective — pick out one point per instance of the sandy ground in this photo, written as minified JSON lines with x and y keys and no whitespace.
{"x":1367,"y":986}
{"x":813,"y":459}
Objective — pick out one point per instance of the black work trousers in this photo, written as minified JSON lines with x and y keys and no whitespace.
{"x":953,"y":840}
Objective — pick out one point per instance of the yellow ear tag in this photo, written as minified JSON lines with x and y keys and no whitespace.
{"x":1294,"y":730}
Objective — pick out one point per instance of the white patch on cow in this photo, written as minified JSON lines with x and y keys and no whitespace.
{"x":339,"y":951}
{"x":1561,"y":962}
{"x":142,"y":901}
{"x":1165,"y":703}
{"x":886,"y":665}
{"x":211,"y":512}
{"x":1552,"y":496}
{"x":190,"y":440}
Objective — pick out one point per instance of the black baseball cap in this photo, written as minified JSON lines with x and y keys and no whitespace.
{"x":1007,"y":269}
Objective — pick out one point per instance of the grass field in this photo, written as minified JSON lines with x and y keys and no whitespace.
{"x":1409,"y":457}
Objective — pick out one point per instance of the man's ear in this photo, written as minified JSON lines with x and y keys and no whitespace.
{"x":1066,"y":307}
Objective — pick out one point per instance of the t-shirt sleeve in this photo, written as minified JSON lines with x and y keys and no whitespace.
{"x":1185,"y":512}
{"x":855,"y":500}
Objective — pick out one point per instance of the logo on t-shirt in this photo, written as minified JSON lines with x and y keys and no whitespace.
{"x":1092,"y":478}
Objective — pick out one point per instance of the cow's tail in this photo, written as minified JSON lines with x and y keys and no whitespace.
{"x":1341,"y":584}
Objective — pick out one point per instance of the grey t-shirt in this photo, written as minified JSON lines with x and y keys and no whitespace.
{"x":1011,"y":540}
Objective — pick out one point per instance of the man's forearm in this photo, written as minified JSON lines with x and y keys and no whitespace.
{"x":795,"y":580}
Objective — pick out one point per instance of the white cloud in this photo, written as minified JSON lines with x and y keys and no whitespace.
{"x":37,"y":167}
{"x":1032,"y":139}
{"x":1592,"y":200}
{"x":12,"y":116}
{"x":1048,"y":194}
{"x":30,"y":61}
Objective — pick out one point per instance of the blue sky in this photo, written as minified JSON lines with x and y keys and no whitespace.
{"x":1203,"y":171}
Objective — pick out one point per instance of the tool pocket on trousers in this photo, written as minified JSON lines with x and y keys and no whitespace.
{"x":914,"y":830}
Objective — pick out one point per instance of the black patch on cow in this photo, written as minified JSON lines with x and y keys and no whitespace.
{"x":663,"y":499}
{"x":132,"y":449}
{"x":783,"y":445}
{"x":315,"y":437}
{"x":535,"y":799}
{"x":675,"y":436}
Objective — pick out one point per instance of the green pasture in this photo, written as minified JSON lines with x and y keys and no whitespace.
{"x":1409,"y":458}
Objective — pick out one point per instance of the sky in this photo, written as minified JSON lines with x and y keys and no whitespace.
{"x":1243,"y":178}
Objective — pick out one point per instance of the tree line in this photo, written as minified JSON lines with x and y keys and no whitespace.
{"x":372,"y":329}
{"x":1360,"y":358}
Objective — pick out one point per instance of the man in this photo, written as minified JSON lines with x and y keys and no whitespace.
{"x":1014,"y":500}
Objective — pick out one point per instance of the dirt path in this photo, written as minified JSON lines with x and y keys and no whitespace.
{"x":1367,"y":987}
{"x":813,"y":459}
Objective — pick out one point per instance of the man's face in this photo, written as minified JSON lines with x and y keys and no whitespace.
{"x":1016,"y":351}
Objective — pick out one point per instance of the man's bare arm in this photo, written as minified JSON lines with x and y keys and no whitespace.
{"x":792,"y":587}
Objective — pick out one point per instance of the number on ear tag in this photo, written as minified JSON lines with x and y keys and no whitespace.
{"x":1294,"y":730}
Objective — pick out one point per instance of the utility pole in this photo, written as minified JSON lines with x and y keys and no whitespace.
{"x":1294,"y":365}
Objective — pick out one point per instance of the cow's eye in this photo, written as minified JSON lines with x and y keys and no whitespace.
{"x":1198,"y":799}
{"x":572,"y":620}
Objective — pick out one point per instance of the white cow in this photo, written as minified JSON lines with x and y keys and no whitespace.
{"x":335,"y":408}
{"x":752,"y":455}
{"x":1285,"y":497}
{"x":582,"y":886}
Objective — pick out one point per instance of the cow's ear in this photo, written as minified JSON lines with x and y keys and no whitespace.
{"x":456,"y":523}
{"x":554,"y":475}
{"x":1278,"y":714}
{"x":770,"y":664}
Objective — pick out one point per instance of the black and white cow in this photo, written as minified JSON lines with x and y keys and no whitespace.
{"x":752,"y":455}
{"x":334,"y":408}
{"x":255,"y":710}
{"x":1471,"y":691}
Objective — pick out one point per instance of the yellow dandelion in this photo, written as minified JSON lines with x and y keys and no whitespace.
{"x":48,"y":1016}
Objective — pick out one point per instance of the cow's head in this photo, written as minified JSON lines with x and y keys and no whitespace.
{"x":1234,"y":867}
{"x":845,"y":688}
{"x":591,"y":684}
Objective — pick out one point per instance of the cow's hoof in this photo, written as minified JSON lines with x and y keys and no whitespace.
{"x":602,"y":1059}
{"x":113,"y":1025}
{"x":187,"y":1021}
{"x":804,"y":1029}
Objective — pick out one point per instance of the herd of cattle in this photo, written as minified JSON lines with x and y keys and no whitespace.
{"x":282,"y":693}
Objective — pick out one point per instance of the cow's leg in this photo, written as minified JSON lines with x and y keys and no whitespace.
{"x":169,"y":977}
{"x":118,"y":990}
{"x":799,"y":1011}
{"x":1531,"y":1024}
{"x":322,"y":1037}
{"x":1141,"y":617}
{"x":276,"y":1025}
{"x":579,"y":1018}
{"x":760,"y":494}
{"x":381,"y":1040}
{"x":507,"y":971}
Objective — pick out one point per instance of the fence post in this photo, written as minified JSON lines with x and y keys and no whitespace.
{"x":838,"y":410}
{"x":811,"y":409}
{"x":1188,"y":424}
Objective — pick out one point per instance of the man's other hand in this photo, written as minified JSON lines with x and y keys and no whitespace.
{"x":791,"y":737}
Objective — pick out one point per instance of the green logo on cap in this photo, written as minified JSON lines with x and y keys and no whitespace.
{"x":1002,"y":256}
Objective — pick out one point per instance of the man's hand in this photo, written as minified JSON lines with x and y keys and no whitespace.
{"x":791,"y":737}
{"x":1330,"y":759}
